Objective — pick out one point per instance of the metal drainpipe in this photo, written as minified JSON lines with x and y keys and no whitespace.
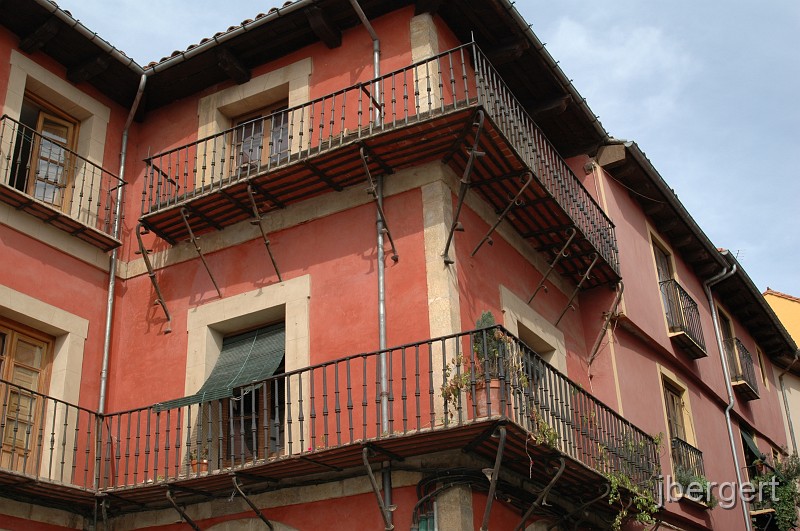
{"x":786,"y":402}
{"x":376,"y":70}
{"x":112,"y":268}
{"x":725,"y":273}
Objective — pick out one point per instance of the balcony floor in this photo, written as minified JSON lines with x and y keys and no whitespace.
{"x":445,"y":137}
{"x":531,"y":462}
{"x":56,"y":218}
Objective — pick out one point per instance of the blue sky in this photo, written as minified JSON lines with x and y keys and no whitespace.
{"x":707,"y":89}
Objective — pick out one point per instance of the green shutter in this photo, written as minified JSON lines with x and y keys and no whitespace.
{"x":244,"y":360}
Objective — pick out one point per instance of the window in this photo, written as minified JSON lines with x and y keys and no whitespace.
{"x":762,"y":366}
{"x":673,"y":400}
{"x":260,"y":138}
{"x":24,"y":363}
{"x":663,"y":263}
{"x":254,"y":413}
{"x":41,"y":164}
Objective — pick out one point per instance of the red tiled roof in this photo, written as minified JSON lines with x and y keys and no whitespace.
{"x":781,"y":295}
{"x":217,"y":35}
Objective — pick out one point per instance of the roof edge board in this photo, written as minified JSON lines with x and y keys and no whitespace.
{"x":92,"y":37}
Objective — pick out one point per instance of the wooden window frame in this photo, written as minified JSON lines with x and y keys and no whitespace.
{"x":12,"y":333}
{"x":56,"y":115}
{"x":267,"y":155}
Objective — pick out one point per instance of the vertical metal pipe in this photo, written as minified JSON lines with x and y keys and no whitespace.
{"x":376,"y":56}
{"x":112,"y":267}
{"x":726,"y":375}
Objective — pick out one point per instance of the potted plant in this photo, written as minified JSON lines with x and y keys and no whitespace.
{"x":199,"y":459}
{"x":494,"y":361}
{"x":695,"y":488}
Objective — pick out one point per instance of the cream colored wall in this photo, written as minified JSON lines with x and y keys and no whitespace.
{"x":792,"y":385}
{"x":788,"y":311}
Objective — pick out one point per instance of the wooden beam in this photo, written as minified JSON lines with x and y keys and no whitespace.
{"x":683,"y":241}
{"x":232,"y":66}
{"x":427,"y":6}
{"x":507,"y":53}
{"x":323,"y":27}
{"x":40,"y":36}
{"x":87,"y":70}
{"x":654,"y":208}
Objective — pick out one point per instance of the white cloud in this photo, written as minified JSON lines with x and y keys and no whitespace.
{"x":638,"y":73}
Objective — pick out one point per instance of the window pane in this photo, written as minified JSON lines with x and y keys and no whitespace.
{"x":26,"y":378}
{"x":29,"y":354}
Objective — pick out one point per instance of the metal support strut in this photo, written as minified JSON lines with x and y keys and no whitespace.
{"x":249,"y":502}
{"x":516,"y":201}
{"x":385,"y":510}
{"x":182,"y":512}
{"x":542,"y":498}
{"x":150,"y":273}
{"x":185,"y":216}
{"x":495,"y":474}
{"x":465,"y":185}
{"x":373,"y":191}
{"x":569,"y":305}
{"x":257,"y":221}
{"x":563,"y":253}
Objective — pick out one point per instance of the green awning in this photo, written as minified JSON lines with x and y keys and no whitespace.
{"x":245,"y":359}
{"x":748,"y":440}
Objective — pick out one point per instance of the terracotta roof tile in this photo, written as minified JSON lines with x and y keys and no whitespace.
{"x":781,"y":295}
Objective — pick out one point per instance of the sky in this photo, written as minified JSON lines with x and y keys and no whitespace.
{"x":708,"y":90}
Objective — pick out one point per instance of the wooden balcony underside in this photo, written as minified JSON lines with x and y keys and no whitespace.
{"x":445,"y":137}
{"x":577,"y":482}
{"x":56,"y":218}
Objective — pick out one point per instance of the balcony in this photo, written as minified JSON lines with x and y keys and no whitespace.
{"x":687,"y":466}
{"x":440,"y":109}
{"x":743,"y":372}
{"x":53,"y":183}
{"x":683,"y":319}
{"x":447,"y":393}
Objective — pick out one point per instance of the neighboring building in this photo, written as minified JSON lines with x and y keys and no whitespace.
{"x":787,"y":308}
{"x":274,"y":345}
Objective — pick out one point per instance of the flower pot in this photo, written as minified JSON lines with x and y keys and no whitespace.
{"x":484,"y":395}
{"x":199,"y":465}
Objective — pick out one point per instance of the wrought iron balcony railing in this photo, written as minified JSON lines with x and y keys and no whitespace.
{"x":432,"y":386}
{"x":460,"y":78}
{"x":683,"y":318}
{"x":42,"y":176}
{"x":743,"y":372}
{"x":687,"y":461}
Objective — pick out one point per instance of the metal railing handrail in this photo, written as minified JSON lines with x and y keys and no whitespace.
{"x":687,"y":459}
{"x":34,"y":134}
{"x":682,"y":311}
{"x":459,"y":77}
{"x":144,"y":444}
{"x":741,"y":362}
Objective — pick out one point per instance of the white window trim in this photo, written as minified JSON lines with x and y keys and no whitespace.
{"x":69,"y":331}
{"x":291,"y":82}
{"x":25,"y":75}
{"x":552,"y":347}
{"x":209,"y":323}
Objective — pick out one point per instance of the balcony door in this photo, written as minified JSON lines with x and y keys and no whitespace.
{"x":24,"y":364}
{"x":42,"y":161}
{"x":260,"y":139}
{"x":669,"y":293}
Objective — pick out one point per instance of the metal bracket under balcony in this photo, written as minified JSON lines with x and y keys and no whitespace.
{"x":428,"y":112}
{"x":683,"y":319}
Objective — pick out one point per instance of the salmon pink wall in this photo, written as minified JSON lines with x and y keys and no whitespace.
{"x":480,"y":278}
{"x":337,"y":251}
{"x":47,"y":274}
